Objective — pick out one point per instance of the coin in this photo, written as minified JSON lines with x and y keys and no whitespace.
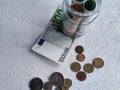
{"x":79,"y":49}
{"x":81,"y":76}
{"x":60,"y":79}
{"x":75,"y":67}
{"x":56,"y":79}
{"x":88,"y":68}
{"x":63,"y":87}
{"x":77,"y":7}
{"x":90,"y":5}
{"x":47,"y":86}
{"x":98,"y":63}
{"x":58,"y":88}
{"x":36,"y":84}
{"x":67,"y":83}
{"x":80,"y":57}
{"x":53,"y":78}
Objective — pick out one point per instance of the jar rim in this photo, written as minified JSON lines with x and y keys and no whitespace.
{"x":86,"y":13}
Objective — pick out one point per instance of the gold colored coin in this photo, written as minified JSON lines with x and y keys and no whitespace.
{"x":67,"y":83}
{"x":64,"y":88}
{"x":88,"y":68}
{"x":75,"y":67}
{"x":98,"y":63}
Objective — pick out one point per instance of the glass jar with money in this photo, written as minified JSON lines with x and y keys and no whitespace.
{"x":78,"y":12}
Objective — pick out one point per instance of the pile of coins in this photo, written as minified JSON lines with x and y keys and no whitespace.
{"x":88,"y":67}
{"x":56,"y":79}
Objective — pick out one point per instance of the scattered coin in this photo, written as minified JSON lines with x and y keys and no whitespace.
{"x":88,"y":68}
{"x":77,"y":7}
{"x":81,"y":76}
{"x":98,"y":63}
{"x":64,"y":88}
{"x":56,"y":79}
{"x":90,"y":5}
{"x":36,"y":84}
{"x":79,"y":49}
{"x":75,"y":67}
{"x":60,"y":79}
{"x":53,"y":78}
{"x":80,"y":57}
{"x":67,"y":83}
{"x":47,"y":86}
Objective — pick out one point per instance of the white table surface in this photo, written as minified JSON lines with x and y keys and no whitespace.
{"x":21,"y":23}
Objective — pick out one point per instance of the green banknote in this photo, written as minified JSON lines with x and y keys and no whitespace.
{"x":53,"y":43}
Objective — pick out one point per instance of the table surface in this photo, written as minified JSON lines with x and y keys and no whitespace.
{"x":21,"y":23}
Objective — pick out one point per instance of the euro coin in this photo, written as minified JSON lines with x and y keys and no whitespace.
{"x":80,"y":57}
{"x":36,"y":84}
{"x":47,"y":86}
{"x":79,"y":49}
{"x":75,"y":67}
{"x":98,"y":63}
{"x":67,"y":83}
{"x":81,"y":76}
{"x":88,"y":68}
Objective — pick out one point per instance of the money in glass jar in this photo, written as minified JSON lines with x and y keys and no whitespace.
{"x":71,"y":20}
{"x":76,"y":12}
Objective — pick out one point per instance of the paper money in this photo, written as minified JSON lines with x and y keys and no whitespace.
{"x":53,"y":43}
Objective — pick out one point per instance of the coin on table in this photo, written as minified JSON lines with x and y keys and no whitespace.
{"x":56,"y":79}
{"x":36,"y":84}
{"x":67,"y":83}
{"x":47,"y":86}
{"x":81,"y":76}
{"x":60,"y":79}
{"x":98,"y":63}
{"x":53,"y":78}
{"x":80,"y":57}
{"x":88,"y":68}
{"x":75,"y":67}
{"x":79,"y":49}
{"x":63,"y":87}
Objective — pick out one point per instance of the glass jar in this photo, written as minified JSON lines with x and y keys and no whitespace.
{"x":77,"y":13}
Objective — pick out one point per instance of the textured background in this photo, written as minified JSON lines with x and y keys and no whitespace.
{"x":22,"y":21}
